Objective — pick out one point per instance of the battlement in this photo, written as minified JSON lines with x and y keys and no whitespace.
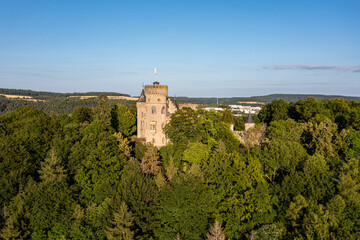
{"x":156,"y":89}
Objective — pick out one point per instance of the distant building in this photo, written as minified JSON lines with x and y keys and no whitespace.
{"x":249,"y":122}
{"x":153,"y":113}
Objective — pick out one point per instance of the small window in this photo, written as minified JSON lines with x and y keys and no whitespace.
{"x":152,"y":127}
{"x":163,"y":110}
{"x":142,"y":114}
{"x":163,"y":125}
{"x":153,"y":110}
{"x":159,"y":100}
{"x":153,"y":140}
{"x":142,"y":122}
{"x":163,"y":140}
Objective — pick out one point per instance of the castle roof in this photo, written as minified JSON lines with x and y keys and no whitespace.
{"x":249,"y":119}
{"x":142,"y":97}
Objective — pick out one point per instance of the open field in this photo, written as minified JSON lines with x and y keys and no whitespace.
{"x":110,"y":97}
{"x":20,"y":97}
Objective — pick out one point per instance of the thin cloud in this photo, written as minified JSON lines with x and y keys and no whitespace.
{"x":314,"y":67}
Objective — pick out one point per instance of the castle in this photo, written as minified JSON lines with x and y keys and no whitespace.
{"x":153,"y":113}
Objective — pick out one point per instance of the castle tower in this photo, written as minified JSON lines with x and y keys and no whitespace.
{"x":153,"y":113}
{"x":249,"y":122}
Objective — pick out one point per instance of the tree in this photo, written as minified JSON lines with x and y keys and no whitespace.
{"x":196,"y":152}
{"x":150,"y":163}
{"x":121,"y":225}
{"x":122,"y":120}
{"x":241,"y":194}
{"x":184,"y":208}
{"x":277,"y":110}
{"x":215,"y":232}
{"x":171,"y":170}
{"x":177,"y":237}
{"x":51,"y":170}
{"x":102,"y":110}
{"x":183,"y":127}
{"x":140,"y":194}
{"x":82,"y":114}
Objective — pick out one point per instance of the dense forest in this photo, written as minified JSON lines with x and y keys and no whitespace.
{"x":84,"y":175}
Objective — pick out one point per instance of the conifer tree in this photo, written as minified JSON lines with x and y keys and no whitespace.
{"x":215,"y":232}
{"x":172,"y":169}
{"x":150,"y":163}
{"x":51,"y":169}
{"x":177,"y":236}
{"x":102,"y":111}
{"x":160,"y":181}
{"x":123,"y":220}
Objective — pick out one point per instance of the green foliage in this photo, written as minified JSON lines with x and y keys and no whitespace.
{"x":139,"y":192}
{"x":25,"y":138}
{"x":122,"y":120}
{"x":82,"y":114}
{"x":240,"y":191}
{"x":196,"y":152}
{"x":277,"y":110}
{"x":73,"y":177}
{"x":184,"y":208}
{"x":123,"y":220}
{"x":98,"y":162}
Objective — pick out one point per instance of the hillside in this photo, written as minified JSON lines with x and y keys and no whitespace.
{"x":259,"y":100}
{"x":58,"y":103}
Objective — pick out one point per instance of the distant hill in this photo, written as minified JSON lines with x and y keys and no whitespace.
{"x":260,"y":100}
{"x":57,"y":103}
{"x":42,"y":95}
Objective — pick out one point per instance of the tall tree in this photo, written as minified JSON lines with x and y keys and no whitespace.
{"x":122,"y":120}
{"x":121,"y":225}
{"x":150,"y":163}
{"x":102,"y":110}
{"x":215,"y":232}
{"x":51,"y":170}
{"x":184,"y":208}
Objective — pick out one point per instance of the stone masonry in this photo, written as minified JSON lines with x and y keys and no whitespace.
{"x":154,"y":109}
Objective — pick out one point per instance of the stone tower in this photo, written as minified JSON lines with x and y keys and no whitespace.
{"x":153,"y":113}
{"x":249,"y":122}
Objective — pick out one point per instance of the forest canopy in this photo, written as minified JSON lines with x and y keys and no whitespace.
{"x":85,"y":175}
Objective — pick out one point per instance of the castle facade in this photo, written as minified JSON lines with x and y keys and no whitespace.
{"x":154,"y":109}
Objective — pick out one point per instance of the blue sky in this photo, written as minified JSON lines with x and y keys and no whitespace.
{"x":201,"y":48}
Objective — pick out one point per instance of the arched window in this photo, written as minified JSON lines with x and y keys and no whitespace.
{"x":153,"y":140}
{"x":153,"y":110}
{"x":163,"y":110}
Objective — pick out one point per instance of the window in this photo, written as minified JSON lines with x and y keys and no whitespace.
{"x":163,"y":110}
{"x":163,"y":125}
{"x":152,"y":127}
{"x":163,"y":140}
{"x":153,"y":140}
{"x":142,"y":122}
{"x":142,"y":114}
{"x":159,"y":100}
{"x":153,"y":110}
